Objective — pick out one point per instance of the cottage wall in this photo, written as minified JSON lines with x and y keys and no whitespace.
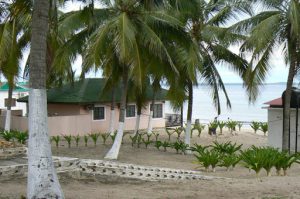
{"x":66,"y":109}
{"x":275,"y":116}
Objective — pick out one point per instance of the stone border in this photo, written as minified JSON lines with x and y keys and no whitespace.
{"x":7,"y":153}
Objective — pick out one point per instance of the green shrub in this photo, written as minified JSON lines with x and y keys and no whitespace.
{"x":7,"y":136}
{"x":133,"y":139}
{"x":86,"y":139}
{"x":240,"y":124}
{"x":157,"y":144}
{"x":68,"y":139}
{"x":227,"y":147}
{"x":199,"y":128}
{"x":21,"y":136}
{"x":221,"y":125}
{"x":255,"y":126}
{"x":165,"y":145}
{"x":178,"y":146}
{"x":104,"y":137}
{"x":252,"y":159}
{"x":169,"y":131}
{"x":284,"y":161}
{"x":178,"y":131}
{"x":77,"y":139}
{"x":231,"y":125}
{"x":56,"y":139}
{"x":156,"y":135}
{"x":199,"y":148}
{"x":230,"y":160}
{"x":264,"y":127}
{"x":94,"y":137}
{"x":212,"y":126}
{"x":147,"y":142}
{"x":208,"y":158}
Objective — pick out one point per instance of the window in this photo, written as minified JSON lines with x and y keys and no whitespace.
{"x":130,"y":111}
{"x":99,"y":113}
{"x":157,"y":111}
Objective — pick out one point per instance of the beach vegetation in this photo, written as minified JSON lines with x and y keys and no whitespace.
{"x":255,"y":126}
{"x":56,"y":139}
{"x":68,"y":139}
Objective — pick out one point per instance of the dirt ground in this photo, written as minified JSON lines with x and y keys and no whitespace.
{"x":239,"y":183}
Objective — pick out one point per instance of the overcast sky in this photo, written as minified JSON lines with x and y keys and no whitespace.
{"x":277,"y":74}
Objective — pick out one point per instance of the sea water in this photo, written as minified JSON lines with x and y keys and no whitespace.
{"x":241,"y":109}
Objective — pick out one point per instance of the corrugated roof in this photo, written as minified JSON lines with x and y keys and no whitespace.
{"x":275,"y":102}
{"x":17,"y":88}
{"x":89,"y":91}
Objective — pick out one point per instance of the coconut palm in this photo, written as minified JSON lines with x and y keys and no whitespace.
{"x":276,"y":26}
{"x":42,"y":178}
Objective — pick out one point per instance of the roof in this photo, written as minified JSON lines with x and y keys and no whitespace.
{"x":275,"y":102}
{"x":90,"y":91}
{"x":17,"y":88}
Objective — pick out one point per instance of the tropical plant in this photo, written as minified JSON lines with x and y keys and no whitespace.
{"x":240,"y":124}
{"x":284,"y":160}
{"x":77,"y":139}
{"x":227,"y":147}
{"x":255,"y":126}
{"x":7,"y":136}
{"x":231,"y":125}
{"x":179,"y":131}
{"x":199,"y":148}
{"x":229,"y":160}
{"x":68,"y":139}
{"x":177,"y":146}
{"x":221,"y":125}
{"x":149,"y":137}
{"x":165,"y":145}
{"x":147,"y":142}
{"x":199,"y":128}
{"x":104,"y":137}
{"x":169,"y":131}
{"x":133,"y":139}
{"x":113,"y":136}
{"x":85,"y":139}
{"x":277,"y":25}
{"x":157,"y":144}
{"x":139,"y":140}
{"x":264,"y":127}
{"x":212,"y":127}
{"x":156,"y":135}
{"x":56,"y":139}
{"x":94,"y":137}
{"x":208,"y":158}
{"x":21,"y":136}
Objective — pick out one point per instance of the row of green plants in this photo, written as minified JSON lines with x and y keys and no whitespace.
{"x":15,"y":136}
{"x":228,"y":155}
{"x":263,"y":126}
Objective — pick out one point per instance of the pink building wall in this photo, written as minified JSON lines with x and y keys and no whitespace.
{"x":80,"y":120}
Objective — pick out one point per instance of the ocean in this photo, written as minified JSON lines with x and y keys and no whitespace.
{"x":241,"y":110}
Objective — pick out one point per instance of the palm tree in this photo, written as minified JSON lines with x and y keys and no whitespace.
{"x":277,"y":25}
{"x":129,"y":33}
{"x":42,"y":177}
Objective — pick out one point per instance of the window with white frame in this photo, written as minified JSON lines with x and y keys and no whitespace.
{"x":157,"y":111}
{"x":130,"y":111}
{"x":99,"y":113}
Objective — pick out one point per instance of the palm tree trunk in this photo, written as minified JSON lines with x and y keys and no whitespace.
{"x":287,"y":102}
{"x":189,"y":115}
{"x":150,"y":127}
{"x":112,"y":114}
{"x":114,"y":151}
{"x":8,"y":110}
{"x":42,"y":177}
{"x":138,"y":118}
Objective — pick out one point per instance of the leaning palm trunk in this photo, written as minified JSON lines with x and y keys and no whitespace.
{"x":137,"y":123}
{"x":8,"y":110}
{"x":112,"y":114}
{"x":114,"y":151}
{"x":42,"y":177}
{"x":150,"y":127}
{"x":189,"y":116}
{"x":287,"y":102}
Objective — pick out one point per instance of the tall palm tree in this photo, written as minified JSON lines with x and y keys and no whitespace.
{"x":42,"y":177}
{"x":277,"y":25}
{"x":129,"y":33}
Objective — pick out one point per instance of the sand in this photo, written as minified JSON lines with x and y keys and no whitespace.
{"x":239,"y":183}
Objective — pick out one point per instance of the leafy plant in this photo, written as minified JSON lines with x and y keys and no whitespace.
{"x":56,"y":139}
{"x":284,"y":161}
{"x":208,"y":158}
{"x":77,"y":139}
{"x":156,"y":135}
{"x":212,"y":127}
{"x":21,"y":136}
{"x":221,"y":125}
{"x":148,"y":136}
{"x":199,"y":128}
{"x":169,"y":132}
{"x":68,"y":139}
{"x":165,"y":145}
{"x":229,"y":160}
{"x":227,"y":147}
{"x":240,"y":124}
{"x":133,"y":139}
{"x":177,"y":146}
{"x":86,"y":139}
{"x":264,"y":127}
{"x":146,"y":142}
{"x":104,"y":137}
{"x":157,"y":144}
{"x":255,"y":126}
{"x":113,"y":136}
{"x":199,"y":148}
{"x":94,"y":137}
{"x":7,"y":136}
{"x":179,"y":131}
{"x":253,"y":159}
{"x":139,"y":140}
{"x":231,"y":125}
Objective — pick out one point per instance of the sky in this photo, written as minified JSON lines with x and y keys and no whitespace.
{"x":278,"y":73}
